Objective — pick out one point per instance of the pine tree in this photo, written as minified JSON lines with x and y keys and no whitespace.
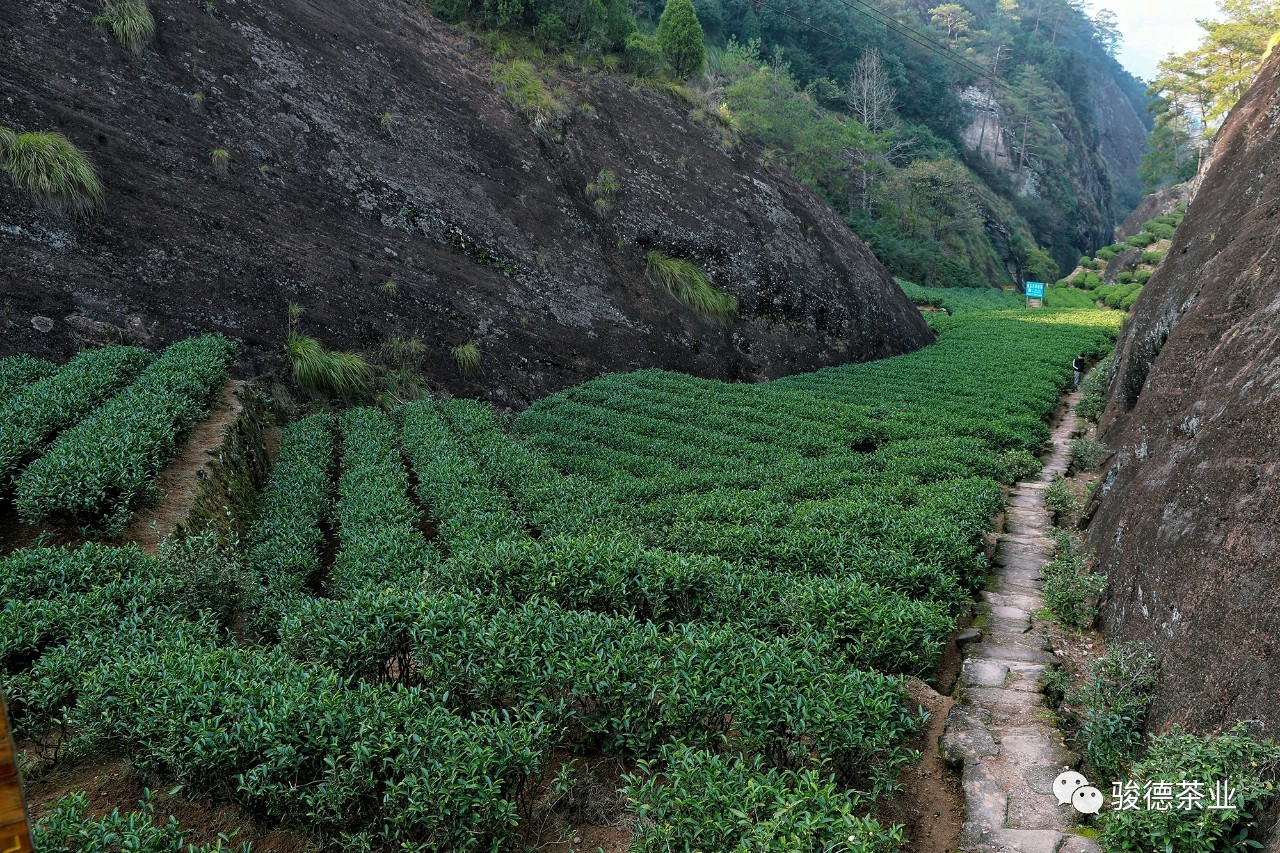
{"x":680,"y":38}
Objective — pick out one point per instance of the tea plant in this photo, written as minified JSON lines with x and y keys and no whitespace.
{"x":1071,"y":590}
{"x":377,"y":525}
{"x":35,"y":412}
{"x":19,"y":370}
{"x":96,"y":473}
{"x":286,"y":537}
{"x":69,"y":826}
{"x":693,"y":799}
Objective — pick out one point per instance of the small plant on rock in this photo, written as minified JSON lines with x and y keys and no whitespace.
{"x":221,"y":159}
{"x":467,"y":357}
{"x":388,"y":289}
{"x":686,"y":281}
{"x":51,"y":171}
{"x":603,"y":191}
{"x":130,"y":21}
{"x":1071,"y":590}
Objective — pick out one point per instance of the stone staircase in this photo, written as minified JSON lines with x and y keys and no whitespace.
{"x":1000,"y":732}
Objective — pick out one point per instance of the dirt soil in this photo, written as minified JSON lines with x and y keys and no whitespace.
{"x":180,"y":479}
{"x":112,"y":784}
{"x":930,"y":804}
{"x":480,"y":218}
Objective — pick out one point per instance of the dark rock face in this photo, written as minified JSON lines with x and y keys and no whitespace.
{"x":1126,"y":261}
{"x":1187,"y":518}
{"x":1156,"y":204}
{"x":1122,"y":139}
{"x":480,"y":218}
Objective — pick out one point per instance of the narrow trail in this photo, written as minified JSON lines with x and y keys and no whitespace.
{"x":1000,"y":727}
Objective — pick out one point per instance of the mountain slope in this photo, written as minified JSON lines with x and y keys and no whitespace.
{"x":368,"y":144}
{"x":1185,"y":521}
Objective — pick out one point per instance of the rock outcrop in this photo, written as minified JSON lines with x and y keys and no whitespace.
{"x":1186,"y":520}
{"x":368,"y":144}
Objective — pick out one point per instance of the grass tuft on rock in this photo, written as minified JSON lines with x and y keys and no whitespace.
{"x":467,"y":357}
{"x":51,"y":171}
{"x":130,"y":21}
{"x":686,"y":281}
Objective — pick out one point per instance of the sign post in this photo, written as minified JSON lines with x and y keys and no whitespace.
{"x":1035,"y":290}
{"x":15,"y":837}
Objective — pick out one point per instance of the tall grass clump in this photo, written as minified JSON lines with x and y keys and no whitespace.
{"x":50,"y":170}
{"x":519,"y":81}
{"x":467,"y":357}
{"x":686,"y":281}
{"x":325,"y":371}
{"x":130,"y":21}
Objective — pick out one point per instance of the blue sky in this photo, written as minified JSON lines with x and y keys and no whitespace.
{"x":1154,"y":28}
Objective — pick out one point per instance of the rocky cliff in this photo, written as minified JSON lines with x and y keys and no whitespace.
{"x":368,"y":143}
{"x":1185,"y":520}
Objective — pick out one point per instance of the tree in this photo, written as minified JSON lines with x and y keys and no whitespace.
{"x":1106,"y":28}
{"x":870,"y":95}
{"x":680,"y":39}
{"x":953,"y":18}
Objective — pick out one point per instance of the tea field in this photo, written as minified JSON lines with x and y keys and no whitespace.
{"x":440,"y":620}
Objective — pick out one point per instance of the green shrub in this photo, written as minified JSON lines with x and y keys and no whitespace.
{"x":1061,"y":500}
{"x":1142,"y":276}
{"x":468,"y":509}
{"x":603,"y":191}
{"x":1091,"y":407}
{"x":1087,"y":454}
{"x":687,"y":282}
{"x":369,"y":767}
{"x":691,"y":799}
{"x":1107,"y":254}
{"x":69,"y":827}
{"x":1015,"y":465}
{"x":1125,"y":277}
{"x":1152,"y":258}
{"x":1095,"y":381}
{"x":467,"y":358}
{"x":1113,"y":705}
{"x":1141,"y":240}
{"x":130,"y":21}
{"x":34,"y":413}
{"x":1092,"y":280}
{"x":324,"y":371}
{"x":1161,"y":231}
{"x":642,"y":55}
{"x":1250,"y":765}
{"x":97,"y":472}
{"x":1070,"y":589}
{"x":52,"y":172}
{"x":1085,"y":261}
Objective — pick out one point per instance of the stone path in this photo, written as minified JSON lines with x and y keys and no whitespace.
{"x":1000,"y":729}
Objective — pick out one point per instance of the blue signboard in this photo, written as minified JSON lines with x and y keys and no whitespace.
{"x":1035,"y":290}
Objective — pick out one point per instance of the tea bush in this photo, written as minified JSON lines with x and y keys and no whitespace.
{"x":97,"y":472}
{"x":19,"y":370}
{"x":693,"y":799}
{"x":35,"y":412}
{"x":286,"y":537}
{"x":377,"y":525}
